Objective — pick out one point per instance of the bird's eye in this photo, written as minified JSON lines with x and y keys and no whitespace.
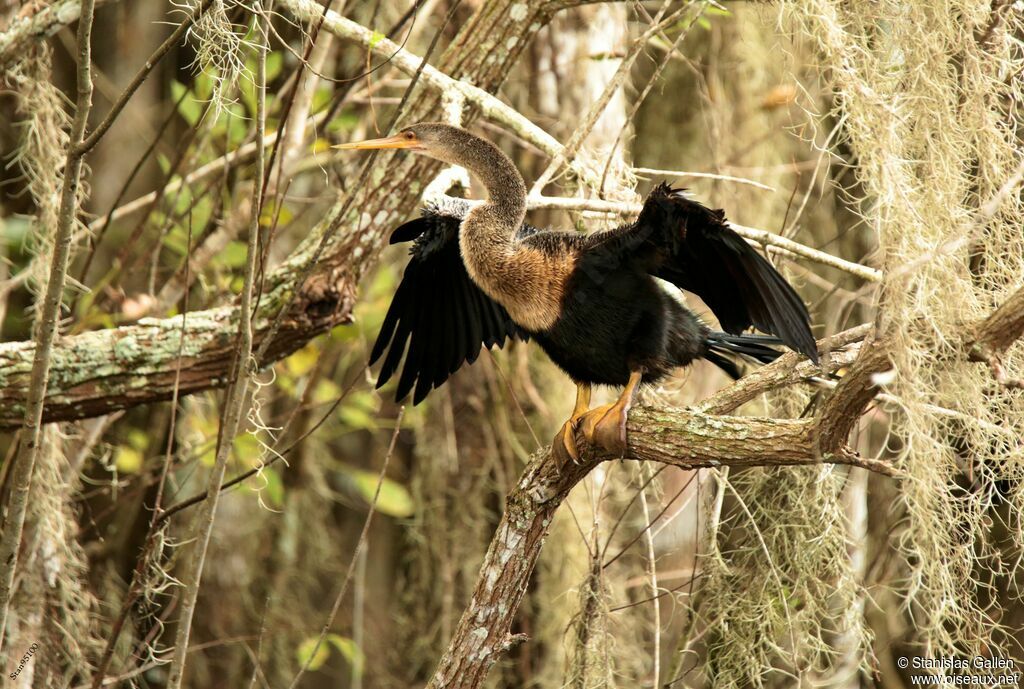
{"x":410,"y":136}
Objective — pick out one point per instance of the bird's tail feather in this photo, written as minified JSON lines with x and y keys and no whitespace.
{"x":725,"y":350}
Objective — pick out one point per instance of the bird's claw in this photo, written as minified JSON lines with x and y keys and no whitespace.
{"x":605,"y":427}
{"x":563,"y":447}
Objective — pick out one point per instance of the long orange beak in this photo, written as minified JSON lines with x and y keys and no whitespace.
{"x":396,"y":141}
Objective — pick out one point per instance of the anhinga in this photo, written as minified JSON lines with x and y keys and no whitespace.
{"x":479,"y":275}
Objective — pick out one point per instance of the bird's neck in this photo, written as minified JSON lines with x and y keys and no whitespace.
{"x":506,"y":190}
{"x":487,"y":239}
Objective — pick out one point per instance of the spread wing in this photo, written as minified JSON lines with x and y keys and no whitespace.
{"x":691,"y":246}
{"x":438,"y":317}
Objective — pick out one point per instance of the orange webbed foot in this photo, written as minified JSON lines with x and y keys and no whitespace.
{"x":605,"y":427}
{"x":563,"y":447}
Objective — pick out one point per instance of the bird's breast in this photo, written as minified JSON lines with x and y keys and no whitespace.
{"x":528,"y":282}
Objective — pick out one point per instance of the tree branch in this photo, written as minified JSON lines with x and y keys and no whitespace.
{"x":855,"y":390}
{"x":342,"y":27}
{"x":118,"y":368}
{"x":1002,"y":327}
{"x":170,"y":42}
{"x":788,"y":369}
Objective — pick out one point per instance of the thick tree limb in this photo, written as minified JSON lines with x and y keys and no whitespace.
{"x":678,"y":437}
{"x":855,"y":390}
{"x":105,"y":370}
{"x":788,"y":369}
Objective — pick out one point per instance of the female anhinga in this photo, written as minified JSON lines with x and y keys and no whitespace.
{"x":480,"y":275}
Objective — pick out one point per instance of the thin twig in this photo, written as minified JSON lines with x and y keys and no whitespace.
{"x":277,"y":454}
{"x":653,"y":570}
{"x":702,"y":175}
{"x":597,"y":108}
{"x":648,"y":522}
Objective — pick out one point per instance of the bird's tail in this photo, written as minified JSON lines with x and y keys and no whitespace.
{"x":725,"y":350}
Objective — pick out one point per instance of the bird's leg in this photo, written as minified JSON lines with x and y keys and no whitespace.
{"x":564,"y":446}
{"x":605,"y":426}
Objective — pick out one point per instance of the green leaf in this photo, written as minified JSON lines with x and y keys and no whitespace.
{"x":234,"y":254}
{"x":274,"y":62}
{"x":164,"y":162}
{"x":128,"y":460}
{"x":375,"y":38}
{"x":394,"y":499}
{"x":247,"y":449}
{"x":304,"y":653}
{"x":247,"y":89}
{"x":356,"y":418}
{"x":346,"y":121}
{"x":326,"y":391}
{"x":272,"y":487}
{"x":236,"y":124}
{"x":360,"y":411}
{"x":177,"y":240}
{"x":302,"y":360}
{"x":182,"y":201}
{"x":189,"y":107}
{"x":14,"y":230}
{"x":349,"y":650}
{"x":321,"y":99}
{"x":138,"y":439}
{"x":203,"y":86}
{"x":269,"y":214}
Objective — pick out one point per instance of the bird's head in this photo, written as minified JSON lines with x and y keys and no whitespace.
{"x":432,"y":139}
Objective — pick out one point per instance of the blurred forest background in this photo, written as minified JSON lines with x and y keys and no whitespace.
{"x":885,"y":133}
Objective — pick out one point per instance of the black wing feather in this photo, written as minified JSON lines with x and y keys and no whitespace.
{"x":404,"y":303}
{"x":438,"y":317}
{"x":692,"y":246}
